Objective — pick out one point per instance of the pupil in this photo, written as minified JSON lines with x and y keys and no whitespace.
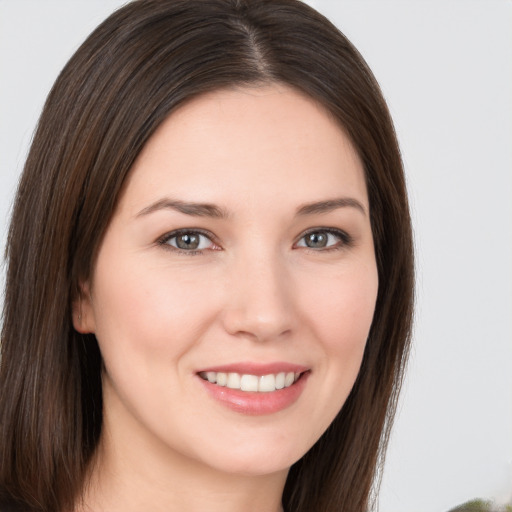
{"x":187,"y":241}
{"x":316,"y":240}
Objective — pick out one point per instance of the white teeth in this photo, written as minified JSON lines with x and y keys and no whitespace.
{"x":222,"y":379}
{"x":280,"y":377}
{"x":267,"y":383}
{"x":249,"y":383}
{"x":233,"y":381}
{"x":253,"y":383}
{"x":289,"y":379}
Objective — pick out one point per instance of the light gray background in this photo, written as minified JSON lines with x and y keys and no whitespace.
{"x":445,"y":67}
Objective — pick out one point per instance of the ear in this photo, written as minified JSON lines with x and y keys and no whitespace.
{"x":82,"y":310}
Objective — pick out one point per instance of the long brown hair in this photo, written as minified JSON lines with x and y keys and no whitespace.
{"x":129,"y":75}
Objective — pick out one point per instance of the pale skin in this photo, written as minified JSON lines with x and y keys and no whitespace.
{"x":284,"y":270}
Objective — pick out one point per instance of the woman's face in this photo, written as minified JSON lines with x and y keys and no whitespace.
{"x":240,"y":256}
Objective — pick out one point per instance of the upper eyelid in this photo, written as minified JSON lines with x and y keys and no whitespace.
{"x":334,"y":231}
{"x":163,"y":241}
{"x":176,"y":232}
{"x":326,"y":229}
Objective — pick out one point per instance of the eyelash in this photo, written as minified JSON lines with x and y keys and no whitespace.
{"x":345,"y":240}
{"x":164,"y":240}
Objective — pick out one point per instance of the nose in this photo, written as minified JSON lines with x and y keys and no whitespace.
{"x":259,"y":301}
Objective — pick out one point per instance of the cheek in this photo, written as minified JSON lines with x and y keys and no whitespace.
{"x":342,"y":306}
{"x":341,"y":317}
{"x":139,"y":310}
{"x":337,"y":312}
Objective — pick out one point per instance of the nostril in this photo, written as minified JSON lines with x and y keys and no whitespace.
{"x":245,"y":321}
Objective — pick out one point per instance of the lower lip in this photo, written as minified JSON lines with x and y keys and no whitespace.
{"x":247,"y":402}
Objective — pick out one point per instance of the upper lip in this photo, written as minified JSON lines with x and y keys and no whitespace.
{"x":250,"y":368}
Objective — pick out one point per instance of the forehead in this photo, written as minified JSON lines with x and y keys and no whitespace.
{"x":237,"y":144}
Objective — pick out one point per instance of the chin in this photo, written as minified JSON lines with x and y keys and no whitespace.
{"x":254,"y":466}
{"x":256,"y":457}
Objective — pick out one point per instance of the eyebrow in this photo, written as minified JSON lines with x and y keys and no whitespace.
{"x":330,"y":205}
{"x":194,"y":209}
{"x":214,"y":211}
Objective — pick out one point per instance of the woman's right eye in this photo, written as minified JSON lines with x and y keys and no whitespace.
{"x":188,"y":241}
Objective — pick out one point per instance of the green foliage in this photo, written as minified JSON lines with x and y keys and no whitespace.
{"x":481,"y":506}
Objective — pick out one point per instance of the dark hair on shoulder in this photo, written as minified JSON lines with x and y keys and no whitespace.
{"x":131,"y":73}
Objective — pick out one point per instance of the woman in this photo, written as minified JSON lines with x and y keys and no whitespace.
{"x":209,"y":283}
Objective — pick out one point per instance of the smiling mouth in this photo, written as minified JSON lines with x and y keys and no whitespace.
{"x":252,"y":383}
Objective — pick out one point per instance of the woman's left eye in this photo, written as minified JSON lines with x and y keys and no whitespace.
{"x":188,"y":241}
{"x":324,"y":239}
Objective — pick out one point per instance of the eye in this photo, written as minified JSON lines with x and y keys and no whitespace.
{"x":324,"y":239}
{"x":188,"y":241}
